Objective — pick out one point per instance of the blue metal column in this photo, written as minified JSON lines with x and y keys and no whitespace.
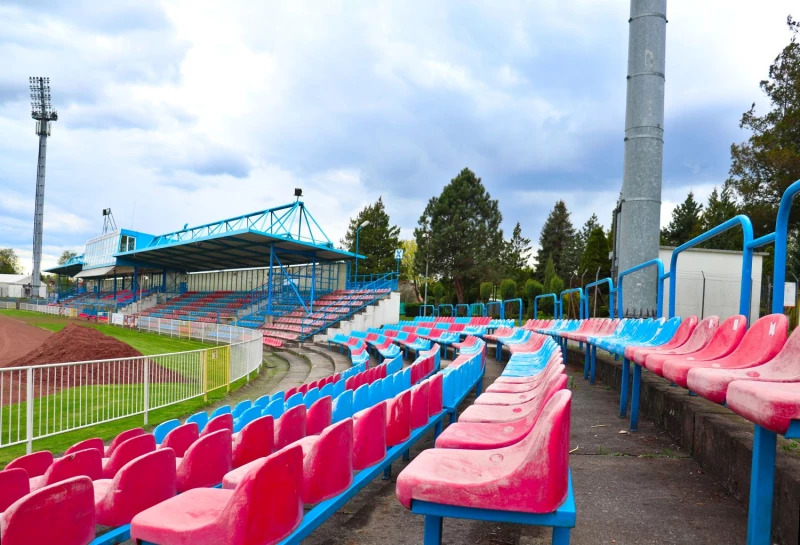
{"x":164,"y":281}
{"x":762,"y":484}
{"x":313,"y":281}
{"x":269,"y":281}
{"x":115,"y":288}
{"x":135,"y":282}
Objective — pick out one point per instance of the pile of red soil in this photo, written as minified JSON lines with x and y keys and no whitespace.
{"x":76,"y":343}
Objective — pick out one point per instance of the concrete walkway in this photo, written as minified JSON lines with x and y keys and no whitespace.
{"x":299,"y":369}
{"x":341,"y":361}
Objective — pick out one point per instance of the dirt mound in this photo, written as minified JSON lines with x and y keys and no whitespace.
{"x":76,"y":343}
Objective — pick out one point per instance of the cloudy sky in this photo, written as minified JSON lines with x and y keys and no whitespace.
{"x":181,"y":112}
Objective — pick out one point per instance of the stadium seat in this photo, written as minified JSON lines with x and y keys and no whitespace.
{"x":225,"y":409}
{"x":34,"y":464}
{"x":508,"y":413}
{"x":369,"y":436}
{"x":127,"y":451}
{"x":319,"y":416}
{"x":274,"y":409}
{"x":290,"y":427}
{"x":342,"y":406}
{"x":201,"y":419}
{"x":61,"y":513}
{"x":420,"y":406}
{"x":518,"y":398}
{"x":86,"y":463}
{"x":771,"y":405}
{"x":222,"y":421}
{"x":262,"y":402}
{"x":236,"y":517}
{"x":121,"y":438}
{"x":205,"y":462}
{"x":531,"y":476}
{"x":254,"y":441}
{"x":327,"y":462}
{"x":95,"y":443}
{"x":241,"y":407}
{"x":295,"y":400}
{"x":140,"y":484}
{"x":361,"y":398}
{"x":14,"y":484}
{"x":435,"y":396}
{"x":181,"y":438}
{"x":161,"y":431}
{"x":398,"y":419}
{"x":246,"y":417}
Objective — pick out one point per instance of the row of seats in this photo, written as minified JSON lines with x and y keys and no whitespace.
{"x":507,"y":458}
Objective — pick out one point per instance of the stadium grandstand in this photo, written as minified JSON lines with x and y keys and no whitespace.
{"x":274,"y":269}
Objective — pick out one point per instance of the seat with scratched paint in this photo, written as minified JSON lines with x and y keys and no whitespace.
{"x":771,"y":405}
{"x":369,"y":436}
{"x":201,"y":419}
{"x":398,"y":419}
{"x":161,"y":431}
{"x":524,"y":382}
{"x":140,"y":484}
{"x":14,"y":485}
{"x":205,"y":462}
{"x":209,"y":516}
{"x":245,"y":418}
{"x":290,"y":427}
{"x":327,"y":462}
{"x":121,"y":438}
{"x":700,"y":337}
{"x":531,"y":476}
{"x":682,"y":334}
{"x":518,"y":398}
{"x":87,"y":462}
{"x":554,"y":365}
{"x":127,"y":451}
{"x":487,"y":435}
{"x":223,"y":421}
{"x":254,"y":441}
{"x":181,"y":438}
{"x":435,"y":396}
{"x":94,"y":443}
{"x":319,"y":415}
{"x":60,"y":513}
{"x":727,"y":337}
{"x":712,"y":384}
{"x":760,"y":343}
{"x":508,"y":413}
{"x":34,"y":464}
{"x":420,"y":408}
{"x":342,"y":406}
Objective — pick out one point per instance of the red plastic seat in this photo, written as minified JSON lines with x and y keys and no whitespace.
{"x":435,"y":397}
{"x":319,"y":415}
{"x":772,"y":405}
{"x":60,"y":513}
{"x":518,"y":388}
{"x":369,"y":436}
{"x":127,"y":451}
{"x":760,"y":343}
{"x":254,"y":441}
{"x":263,"y":508}
{"x":420,"y":407}
{"x":206,"y":462}
{"x":517,"y":398}
{"x":13,"y":485}
{"x":713,"y":384}
{"x":140,"y":484}
{"x":88,"y":463}
{"x":121,"y":438}
{"x":699,"y":339}
{"x":681,"y":336}
{"x":290,"y":427}
{"x":509,"y":413}
{"x":327,"y":462}
{"x":398,"y":419}
{"x":181,"y":438}
{"x":555,"y":359}
{"x":221,"y":422}
{"x":488,"y":435}
{"x":95,"y":443}
{"x":34,"y":464}
{"x":531,"y":476}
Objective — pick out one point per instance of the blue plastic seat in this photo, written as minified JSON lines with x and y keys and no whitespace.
{"x":294,"y":401}
{"x":161,"y":431}
{"x":201,"y":419}
{"x":274,"y":409}
{"x":376,"y":392}
{"x":338,"y":388}
{"x":342,"y":406}
{"x":248,"y":416}
{"x":311,"y":396}
{"x":361,"y":398}
{"x":241,"y":407}
{"x":225,"y":409}
{"x":262,"y":402}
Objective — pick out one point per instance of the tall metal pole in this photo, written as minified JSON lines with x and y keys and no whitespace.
{"x":427,"y":255}
{"x":639,"y":225}
{"x":357,"y":231}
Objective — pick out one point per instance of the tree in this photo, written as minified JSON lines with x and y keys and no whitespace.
{"x":517,"y":251}
{"x":549,"y":273}
{"x":508,"y":289}
{"x":377,"y":241}
{"x":9,"y":262}
{"x":486,"y":291}
{"x":556,"y":286}
{"x":466,"y":240}
{"x":769,"y":161}
{"x":721,"y":206}
{"x":532,"y":289}
{"x":686,"y":223}
{"x":586,"y":231}
{"x":408,"y":272}
{"x":558,"y":241}
{"x":438,"y":293}
{"x":66,"y":255}
{"x":596,"y":253}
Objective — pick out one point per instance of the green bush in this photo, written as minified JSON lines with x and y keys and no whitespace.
{"x":508,"y":289}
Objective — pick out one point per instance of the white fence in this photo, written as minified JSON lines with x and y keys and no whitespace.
{"x":7,"y":305}
{"x":45,"y":400}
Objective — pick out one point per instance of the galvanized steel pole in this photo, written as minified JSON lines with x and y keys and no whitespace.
{"x":639,"y":226}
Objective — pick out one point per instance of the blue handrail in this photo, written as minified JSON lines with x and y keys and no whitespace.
{"x":518,"y":300}
{"x":611,"y":292}
{"x":446,"y":305}
{"x":747,"y":261}
{"x":659,"y":281}
{"x":556,"y":313}
{"x":423,"y":307}
{"x":466,"y":308}
{"x":580,"y":300}
{"x":480,"y":307}
{"x":780,"y":238}
{"x":500,"y":312}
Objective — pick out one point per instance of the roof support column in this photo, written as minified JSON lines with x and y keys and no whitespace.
{"x":269,"y":280}
{"x":313,"y":281}
{"x":135,"y":282}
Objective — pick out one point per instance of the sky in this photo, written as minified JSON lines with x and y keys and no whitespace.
{"x":181,"y":112}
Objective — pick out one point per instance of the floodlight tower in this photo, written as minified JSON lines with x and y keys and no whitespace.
{"x":43,"y":112}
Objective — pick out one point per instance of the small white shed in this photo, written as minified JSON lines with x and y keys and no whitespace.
{"x":18,"y":285}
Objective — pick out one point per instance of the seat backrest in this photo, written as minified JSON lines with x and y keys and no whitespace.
{"x":376,"y":392}
{"x":206,"y":462}
{"x":121,"y":438}
{"x":342,"y":406}
{"x":241,"y":407}
{"x":683,"y":332}
{"x":87,"y":462}
{"x":127,"y":451}
{"x":145,"y":481}
{"x":95,"y":443}
{"x":262,"y":402}
{"x":763,"y":340}
{"x":35,"y":463}
{"x":181,"y":438}
{"x":294,"y":400}
{"x":420,"y":404}
{"x":435,"y":394}
{"x":369,"y":436}
{"x":14,"y":484}
{"x":223,"y":421}
{"x":327,"y":389}
{"x":273,"y":487}
{"x":310,"y":397}
{"x":60,"y":513}
{"x":201,"y":419}
{"x":225,"y":409}
{"x":328,"y":465}
{"x":246,"y":417}
{"x":361,"y":398}
{"x":727,"y":337}
{"x":319,"y":416}
{"x":398,"y":419}
{"x":274,"y":409}
{"x":701,"y":335}
{"x":256,"y":440}
{"x":290,"y":427}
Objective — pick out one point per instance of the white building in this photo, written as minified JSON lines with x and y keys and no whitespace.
{"x":18,"y":285}
{"x":708,"y":282}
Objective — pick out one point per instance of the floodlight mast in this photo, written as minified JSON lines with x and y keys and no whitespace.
{"x":42,"y":111}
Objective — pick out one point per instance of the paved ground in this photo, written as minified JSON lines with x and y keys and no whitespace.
{"x":18,"y":338}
